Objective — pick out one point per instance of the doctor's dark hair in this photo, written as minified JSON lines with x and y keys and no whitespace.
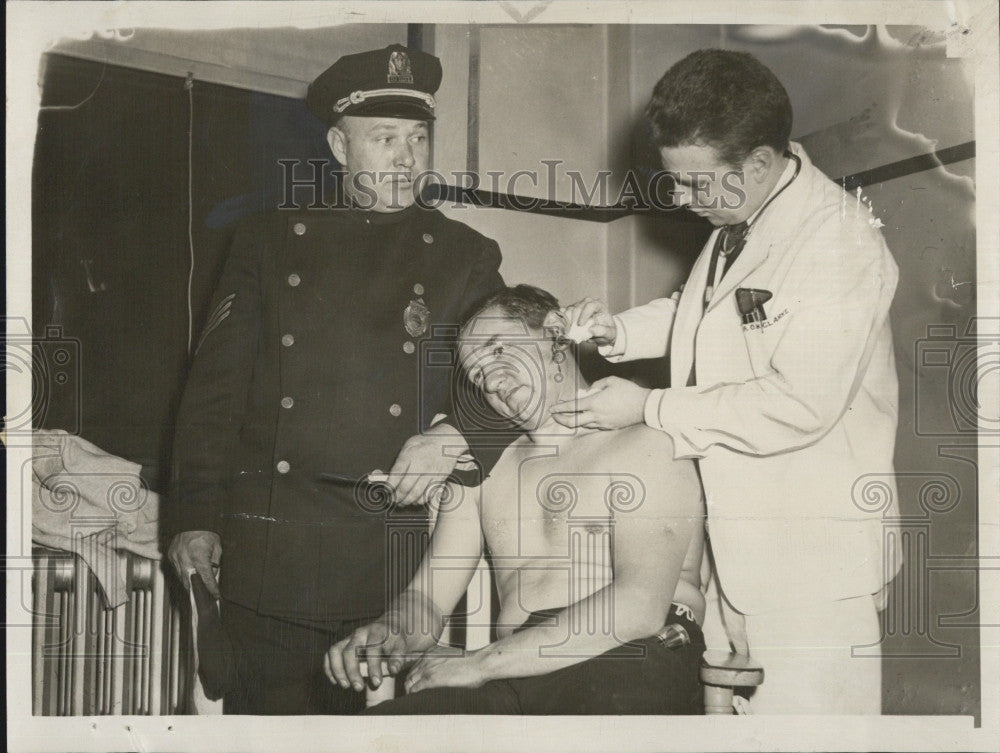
{"x":524,"y":302}
{"x":727,"y":100}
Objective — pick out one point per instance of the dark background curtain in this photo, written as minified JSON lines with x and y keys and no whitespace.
{"x":111,"y":255}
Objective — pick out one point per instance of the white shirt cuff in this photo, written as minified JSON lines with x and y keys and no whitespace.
{"x":616,"y":350}
{"x":653,"y":415}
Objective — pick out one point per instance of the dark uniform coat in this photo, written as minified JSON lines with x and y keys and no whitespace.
{"x":306,"y":367}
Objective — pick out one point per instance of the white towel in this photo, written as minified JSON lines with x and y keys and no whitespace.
{"x":579,"y":333}
{"x":93,"y":504}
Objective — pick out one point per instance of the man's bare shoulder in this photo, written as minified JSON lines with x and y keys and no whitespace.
{"x":641,"y":441}
{"x":512,"y":456}
{"x":649,"y":455}
{"x":637,"y":450}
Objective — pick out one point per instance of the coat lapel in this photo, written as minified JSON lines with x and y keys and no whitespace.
{"x":752,"y":256}
{"x":765,"y":230}
{"x":689,"y":311}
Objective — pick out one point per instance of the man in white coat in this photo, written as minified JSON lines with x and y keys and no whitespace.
{"x":783,"y":383}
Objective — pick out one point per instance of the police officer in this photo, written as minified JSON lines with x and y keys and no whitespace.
{"x":316,"y":367}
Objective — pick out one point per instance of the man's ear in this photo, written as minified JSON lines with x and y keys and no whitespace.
{"x":554,"y":326}
{"x":337,"y":139}
{"x":760,"y":162}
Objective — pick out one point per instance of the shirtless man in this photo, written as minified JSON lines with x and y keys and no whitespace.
{"x":595,"y":544}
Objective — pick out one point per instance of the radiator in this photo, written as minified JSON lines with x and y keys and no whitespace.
{"x":88,"y":660}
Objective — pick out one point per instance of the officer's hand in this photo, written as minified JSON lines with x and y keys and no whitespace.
{"x":424,"y":463}
{"x":593,"y":315}
{"x":374,"y":643}
{"x":611,"y":403}
{"x":200,"y":550}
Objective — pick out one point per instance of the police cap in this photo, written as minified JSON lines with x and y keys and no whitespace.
{"x":396,"y":82}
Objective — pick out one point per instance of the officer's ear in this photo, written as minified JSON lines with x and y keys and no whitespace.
{"x":336,"y":137}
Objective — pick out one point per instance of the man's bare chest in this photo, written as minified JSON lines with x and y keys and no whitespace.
{"x":546,"y":503}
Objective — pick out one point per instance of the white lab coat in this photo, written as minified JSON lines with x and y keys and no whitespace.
{"x":793,"y":421}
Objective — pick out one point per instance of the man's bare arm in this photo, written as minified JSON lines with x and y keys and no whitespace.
{"x":414,"y":621}
{"x":649,"y":545}
{"x":452,"y":556}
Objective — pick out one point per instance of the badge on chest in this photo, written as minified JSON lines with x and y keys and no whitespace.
{"x":416,"y":318}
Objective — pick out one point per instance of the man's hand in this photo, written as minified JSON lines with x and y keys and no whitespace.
{"x":425,"y":461}
{"x":374,"y":643}
{"x":446,"y":667}
{"x":611,"y":403}
{"x":593,"y":315}
{"x":201,"y":550}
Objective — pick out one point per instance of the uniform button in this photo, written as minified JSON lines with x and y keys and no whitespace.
{"x":294,"y":279}
{"x":395,"y":409}
{"x":287,"y":340}
{"x":283,"y":466}
{"x":428,"y":238}
{"x":418,"y":289}
{"x":299,"y":228}
{"x":409,"y":347}
{"x":287,"y":402}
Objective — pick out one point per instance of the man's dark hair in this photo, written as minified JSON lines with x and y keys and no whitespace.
{"x":525,"y":302}
{"x":727,"y":100}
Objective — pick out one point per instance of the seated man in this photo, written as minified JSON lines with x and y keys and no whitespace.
{"x":594,"y":540}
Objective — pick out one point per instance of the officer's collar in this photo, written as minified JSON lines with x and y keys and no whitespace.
{"x":371,"y":217}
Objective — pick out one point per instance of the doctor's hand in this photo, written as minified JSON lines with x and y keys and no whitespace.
{"x":424,"y":463}
{"x":374,"y":643}
{"x":200,"y":551}
{"x":610,"y":403}
{"x":593,"y":315}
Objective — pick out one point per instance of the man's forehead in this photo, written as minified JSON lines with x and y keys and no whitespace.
{"x":488,"y":323}
{"x":488,"y":327}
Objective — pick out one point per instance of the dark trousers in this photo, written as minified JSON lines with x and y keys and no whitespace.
{"x":659,"y":680}
{"x":278,"y":665}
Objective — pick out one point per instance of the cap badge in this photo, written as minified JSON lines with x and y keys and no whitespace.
{"x":416,"y":317}
{"x":399,"y":68}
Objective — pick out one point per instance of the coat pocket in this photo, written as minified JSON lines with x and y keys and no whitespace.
{"x":761,"y":340}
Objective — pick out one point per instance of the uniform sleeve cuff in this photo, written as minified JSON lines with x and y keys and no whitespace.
{"x":194,"y":520}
